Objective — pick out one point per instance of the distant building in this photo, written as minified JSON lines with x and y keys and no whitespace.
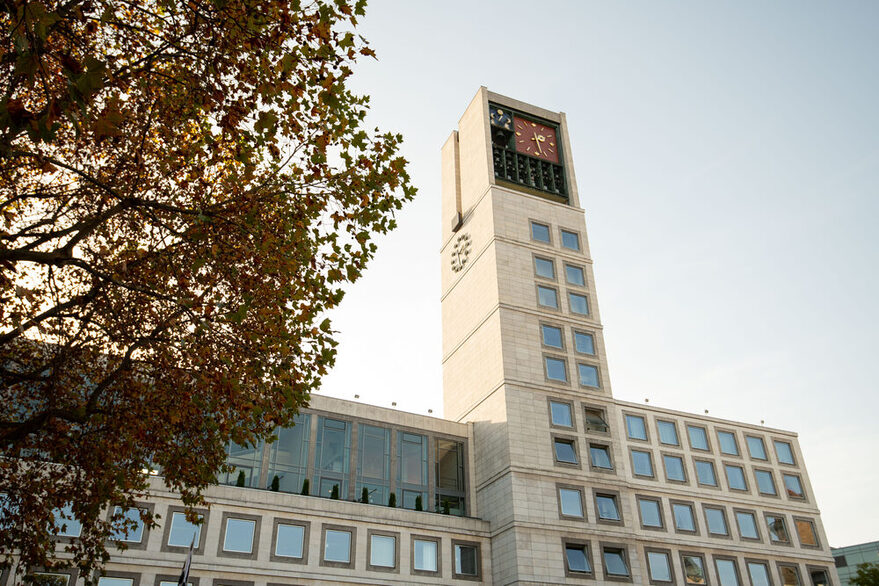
{"x":543,"y":476}
{"x":848,"y":558}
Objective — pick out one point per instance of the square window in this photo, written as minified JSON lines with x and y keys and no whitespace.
{"x":547,"y":297}
{"x":337,"y":546}
{"x":806,"y":533}
{"x":555,"y":369}
{"x":600,"y":457}
{"x":574,"y":275}
{"x":777,"y":529}
{"x":543,"y":267}
{"x":715,"y":520}
{"x":758,"y":572}
{"x":466,"y":560}
{"x":684,"y":520}
{"x":584,"y":343}
{"x":66,"y":525}
{"x":588,"y":375}
{"x":694,"y":569}
{"x":540,"y":232}
{"x":790,"y":575}
{"x":570,"y":502}
{"x":239,"y":535}
{"x":668,"y":432}
{"x":424,"y":555}
{"x":578,"y":303}
{"x":552,"y":336}
{"x":735,"y":477}
{"x":658,"y":566}
{"x":705,"y":473}
{"x":635,"y":427}
{"x":819,"y":577}
{"x":565,"y":451}
{"x":756,"y":447}
{"x":698,"y":437}
{"x":594,"y":419}
{"x":615,"y":563}
{"x":642,"y":463}
{"x":783,"y":452}
{"x":793,"y":486}
{"x":382,"y":551}
{"x":727,"y":572}
{"x":728,"y":443}
{"x":127,"y":532}
{"x":560,"y":414}
{"x":747,"y":525}
{"x":182,"y":532}
{"x":674,"y":468}
{"x":765,"y":482}
{"x":290,"y":541}
{"x":570,"y":240}
{"x":651,"y":513}
{"x":606,"y":505}
{"x":577,"y":558}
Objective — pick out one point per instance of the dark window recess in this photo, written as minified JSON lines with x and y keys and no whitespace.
{"x":840,"y":561}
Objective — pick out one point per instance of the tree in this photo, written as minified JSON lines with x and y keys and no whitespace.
{"x":334,"y":492}
{"x":185,"y":189}
{"x":364,"y":495}
{"x":868,"y":575}
{"x":275,"y":486}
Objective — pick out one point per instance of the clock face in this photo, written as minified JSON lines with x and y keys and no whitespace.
{"x":536,"y":139}
{"x":460,"y":252}
{"x":500,"y":117}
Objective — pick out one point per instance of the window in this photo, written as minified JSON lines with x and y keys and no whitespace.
{"x":466,"y":560}
{"x":382,"y":551}
{"x":599,"y":456}
{"x":239,"y":535}
{"x":574,"y":275}
{"x":182,"y":532}
{"x":765,"y":482}
{"x":555,"y":369}
{"x":793,"y":486}
{"x":747,"y":525}
{"x":560,"y":414}
{"x":540,"y":232}
{"x":783,"y":452}
{"x":694,"y":568}
{"x":570,"y":240}
{"x":606,"y":506}
{"x":715,"y":520}
{"x":244,"y":458}
{"x":374,"y":463}
{"x":705,"y":473}
{"x":412,"y":468}
{"x":332,"y":457}
{"x":728,"y":443}
{"x":727,"y":572}
{"x":552,"y":336}
{"x":565,"y":451}
{"x":66,"y":525}
{"x":570,"y":502}
{"x":290,"y":541}
{"x":543,"y":267}
{"x":777,"y":529}
{"x":424,"y":555}
{"x":758,"y":572}
{"x":111,"y":581}
{"x":668,"y":432}
{"x":337,"y":546}
{"x":635,"y":427}
{"x":698,"y":437}
{"x":674,"y":468}
{"x":129,"y":527}
{"x":735,"y":477}
{"x":806,"y":533}
{"x":288,"y":457}
{"x":584,"y":343}
{"x":577,"y":558}
{"x":47,"y":579}
{"x":578,"y":303}
{"x":756,"y":448}
{"x":790,"y":575}
{"x":658,"y":566}
{"x":594,"y":419}
{"x":642,"y":463}
{"x":588,"y":375}
{"x":547,"y":297}
{"x":684,"y":519}
{"x":450,"y":476}
{"x":615,"y":562}
{"x":651,"y":513}
{"x":819,"y":577}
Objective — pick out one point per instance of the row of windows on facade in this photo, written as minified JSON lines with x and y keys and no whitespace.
{"x":378,"y":450}
{"x":661,"y":568}
{"x":542,"y":233}
{"x":651,"y":516}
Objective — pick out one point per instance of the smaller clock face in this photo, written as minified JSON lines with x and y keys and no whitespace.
{"x":500,"y":117}
{"x":536,"y":139}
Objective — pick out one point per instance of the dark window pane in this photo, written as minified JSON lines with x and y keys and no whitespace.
{"x":819,"y":578}
{"x":564,"y":451}
{"x":465,"y":560}
{"x":615,"y":562}
{"x":594,"y":420}
{"x":577,"y":559}
{"x":450,"y":464}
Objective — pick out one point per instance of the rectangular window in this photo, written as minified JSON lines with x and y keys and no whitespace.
{"x":727,"y":572}
{"x":555,"y":369}
{"x":552,"y":336}
{"x":111,"y":581}
{"x":777,"y":529}
{"x":747,"y":525}
{"x":577,"y":558}
{"x":694,"y":569}
{"x":424,"y":555}
{"x":635,"y":427}
{"x":758,"y":572}
{"x":66,"y":525}
{"x":466,"y":560}
{"x":819,"y":577}
{"x":615,"y":562}
{"x":239,"y":535}
{"x":765,"y":482}
{"x":606,"y":505}
{"x":756,"y":447}
{"x":245,"y":458}
{"x":412,"y":468}
{"x":698,"y":437}
{"x":182,"y":532}
{"x":47,"y":579}
{"x":332,"y":456}
{"x":651,"y":513}
{"x":588,"y":375}
{"x":570,"y":502}
{"x":540,"y":232}
{"x":728,"y":443}
{"x":600,"y":457}
{"x":290,"y":541}
{"x":658,"y":566}
{"x":715,"y":520}
{"x":674,"y":468}
{"x":337,"y":546}
{"x":578,"y":303}
{"x":382,"y":551}
{"x":642,"y":463}
{"x":684,"y":520}
{"x":705,"y":473}
{"x":790,"y":575}
{"x":451,"y":490}
{"x":668,"y":432}
{"x":793,"y":486}
{"x":594,"y":419}
{"x":374,"y":463}
{"x":783,"y":452}
{"x":570,"y":240}
{"x":560,"y":414}
{"x":735,"y":477}
{"x":565,"y":451}
{"x":547,"y":297}
{"x":574,"y":275}
{"x":544,"y":267}
{"x":584,"y":343}
{"x":288,"y":457}
{"x":806,"y":532}
{"x":129,"y":527}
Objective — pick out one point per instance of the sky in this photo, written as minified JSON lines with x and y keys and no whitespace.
{"x":727,"y":158}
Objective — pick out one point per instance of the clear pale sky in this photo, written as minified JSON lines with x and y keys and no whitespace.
{"x":727,"y":157}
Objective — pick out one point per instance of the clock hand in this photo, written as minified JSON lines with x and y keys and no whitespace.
{"x":537,"y":141}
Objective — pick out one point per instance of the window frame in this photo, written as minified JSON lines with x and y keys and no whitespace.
{"x":439,"y":555}
{"x":658,"y":502}
{"x":570,"y":404}
{"x":169,"y":522}
{"x":395,"y":535}
{"x":811,"y":522}
{"x":273,"y":551}
{"x":668,"y":558}
{"x":649,"y":454}
{"x":561,"y":330}
{"x":531,"y":232}
{"x":615,"y":496}
{"x":754,"y":517}
{"x":768,"y":471}
{"x":722,"y":509}
{"x":535,"y":258}
{"x":607,"y":448}
{"x":825,"y":569}
{"x":783,"y":517}
{"x":716,"y":485}
{"x":579,"y":491}
{"x":581,"y":331}
{"x":475,"y":577}
{"x":680,"y":457}
{"x":757,"y":561}
{"x":572,"y":440}
{"x":555,"y":381}
{"x":597,"y":368}
{"x":707,"y":448}
{"x":145,"y":529}
{"x":352,"y":546}
{"x":674,"y":427}
{"x":735,"y":563}
{"x":555,"y":290}
{"x":254,"y":541}
{"x":735,"y":437}
{"x":627,"y":560}
{"x":643,"y":419}
{"x":747,"y":489}
{"x":582,"y":294}
{"x":793,"y":455}
{"x":580,"y":268}
{"x":693,"y":554}
{"x":575,"y":233}
{"x":587,"y":550}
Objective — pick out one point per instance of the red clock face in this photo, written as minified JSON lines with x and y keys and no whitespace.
{"x":536,"y":139}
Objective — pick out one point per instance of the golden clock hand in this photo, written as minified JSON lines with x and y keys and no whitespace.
{"x":537,"y":142}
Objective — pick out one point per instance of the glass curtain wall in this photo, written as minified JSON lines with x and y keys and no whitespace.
{"x":374,"y":463}
{"x":450,"y":477}
{"x":247,"y":459}
{"x":412,"y":468}
{"x":288,"y":459}
{"x":332,"y":457}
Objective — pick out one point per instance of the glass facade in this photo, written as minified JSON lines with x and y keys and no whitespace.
{"x":450,"y":487}
{"x":247,"y":459}
{"x":288,"y":458}
{"x":412,"y":468}
{"x":332,"y":457}
{"x":374,"y":463}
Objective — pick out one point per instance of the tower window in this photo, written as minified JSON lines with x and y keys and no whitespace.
{"x":540,"y":232}
{"x":547,"y":297}
{"x":578,"y":303}
{"x":543,"y":267}
{"x":555,"y":369}
{"x":570,"y":240}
